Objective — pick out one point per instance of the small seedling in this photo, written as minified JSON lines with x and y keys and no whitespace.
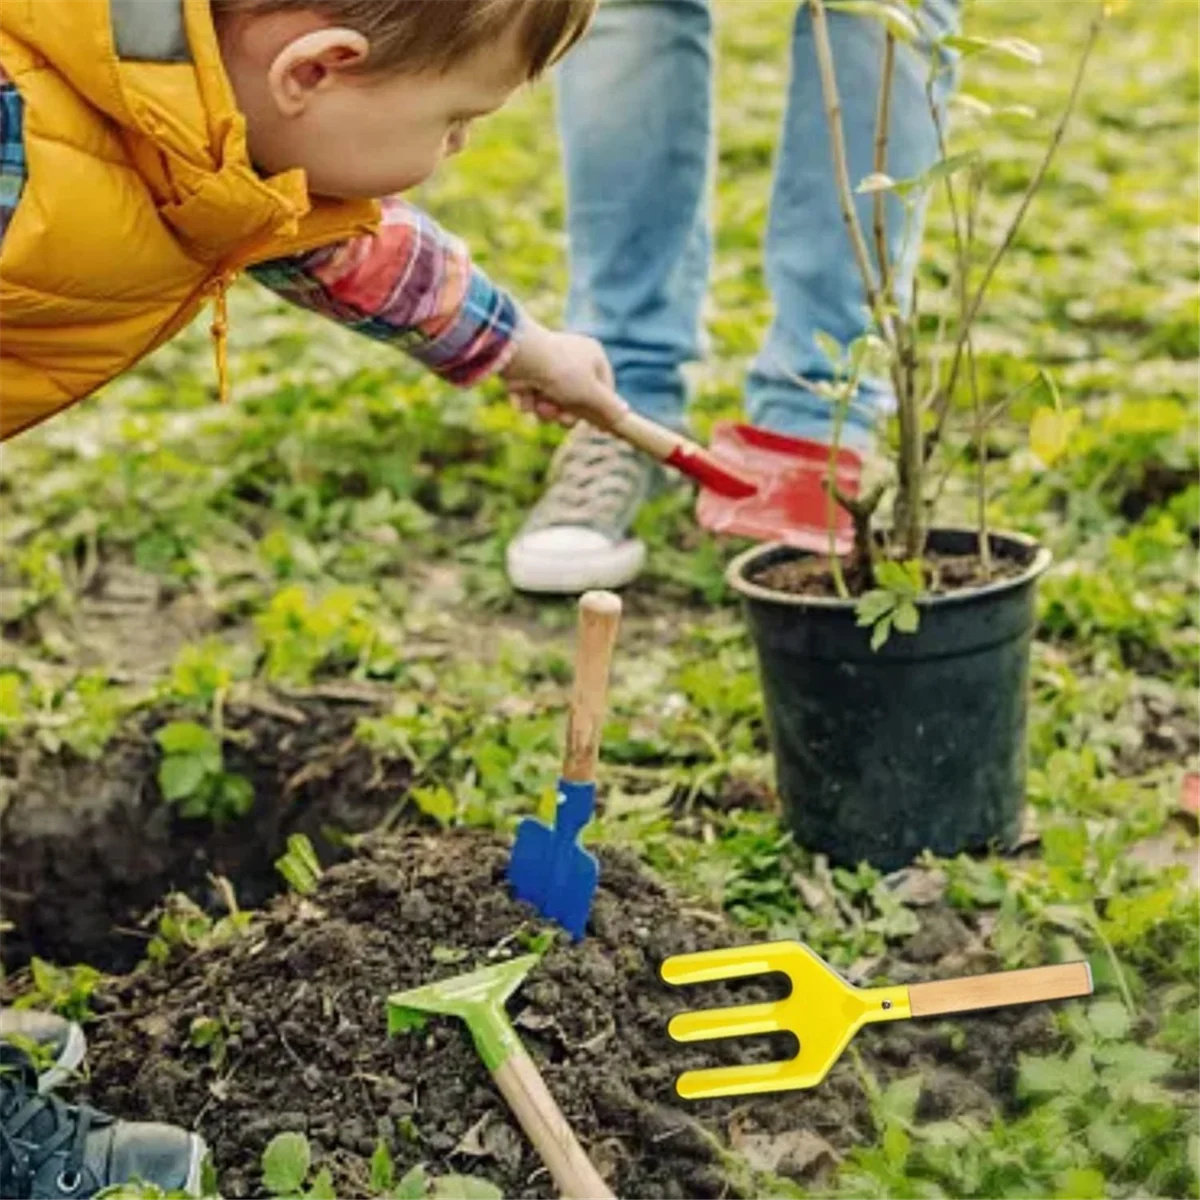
{"x":64,"y":990}
{"x":192,"y":774}
{"x":300,"y":865}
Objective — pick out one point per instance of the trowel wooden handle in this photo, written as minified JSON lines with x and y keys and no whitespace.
{"x":1004,"y":987}
{"x":599,"y":616}
{"x":525,"y":1090}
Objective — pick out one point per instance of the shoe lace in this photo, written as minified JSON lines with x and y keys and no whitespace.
{"x":594,"y":479}
{"x":61,"y":1125}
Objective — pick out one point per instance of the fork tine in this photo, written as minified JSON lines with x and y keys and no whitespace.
{"x":704,"y":966}
{"x":738,"y":1020}
{"x":745,"y":1080}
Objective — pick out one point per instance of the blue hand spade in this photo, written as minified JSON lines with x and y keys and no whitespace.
{"x":548,"y":868}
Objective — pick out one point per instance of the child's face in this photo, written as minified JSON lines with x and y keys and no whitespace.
{"x":355,"y":134}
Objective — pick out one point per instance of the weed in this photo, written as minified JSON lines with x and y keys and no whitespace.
{"x":192,"y":774}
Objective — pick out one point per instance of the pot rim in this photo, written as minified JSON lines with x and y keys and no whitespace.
{"x":735,"y":575}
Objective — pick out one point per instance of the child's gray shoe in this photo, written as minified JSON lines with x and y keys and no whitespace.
{"x":577,"y":536}
{"x":50,"y":1150}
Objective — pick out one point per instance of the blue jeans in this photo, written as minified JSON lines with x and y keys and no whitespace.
{"x":635,"y":109}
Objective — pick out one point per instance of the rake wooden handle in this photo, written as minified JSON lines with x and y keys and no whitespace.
{"x":999,"y":989}
{"x":525,"y":1090}
{"x":599,"y":617}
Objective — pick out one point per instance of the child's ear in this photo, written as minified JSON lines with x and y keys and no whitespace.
{"x":311,"y":62}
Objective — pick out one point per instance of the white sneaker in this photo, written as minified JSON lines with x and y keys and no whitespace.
{"x":577,"y":536}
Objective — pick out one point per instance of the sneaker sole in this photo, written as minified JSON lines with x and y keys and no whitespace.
{"x":67,"y":1063}
{"x":195,"y":1176}
{"x":554,"y":575}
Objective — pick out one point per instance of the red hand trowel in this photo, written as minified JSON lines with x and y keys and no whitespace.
{"x":789,"y":503}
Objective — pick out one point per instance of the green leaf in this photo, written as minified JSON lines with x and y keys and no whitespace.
{"x":413,"y":1186}
{"x":285,"y":1164}
{"x":969,"y":46}
{"x":322,"y":1186}
{"x":1050,"y":433}
{"x":181,"y":775}
{"x":187,"y":737}
{"x":907,"y":617}
{"x":1127,"y":1064}
{"x":449,"y":954}
{"x":1111,"y":1141}
{"x":946,"y":167}
{"x":896,"y":1145}
{"x":873,"y":605}
{"x":902,"y":578}
{"x":404,"y":1020}
{"x":300,"y":865}
{"x":383,"y":1171}
{"x":899,"y":1100}
{"x":464,"y":1187}
{"x":972,"y":104}
{"x":1110,"y":1019}
{"x":435,"y":802}
{"x":829,"y":346}
{"x":898,"y":23}
{"x":881,"y":632}
{"x":1081,"y":1184}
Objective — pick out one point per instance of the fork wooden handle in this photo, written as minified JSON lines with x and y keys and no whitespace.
{"x":599,"y":617}
{"x":999,"y":989}
{"x":544,"y":1124}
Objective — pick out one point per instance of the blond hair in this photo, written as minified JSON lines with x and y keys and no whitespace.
{"x":434,"y":35}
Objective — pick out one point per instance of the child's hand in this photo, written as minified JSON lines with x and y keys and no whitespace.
{"x":562,"y":377}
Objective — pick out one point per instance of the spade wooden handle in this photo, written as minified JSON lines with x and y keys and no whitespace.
{"x":546,"y":1127}
{"x":599,"y":617}
{"x":1002,"y":988}
{"x":648,"y":436}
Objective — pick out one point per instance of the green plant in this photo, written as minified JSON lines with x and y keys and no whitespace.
{"x":300,"y":865}
{"x":925,"y":387}
{"x":211,"y":1034}
{"x":192,"y":774}
{"x":64,"y":990}
{"x":183,"y":925}
{"x":892,"y":603}
{"x":287,"y":1164}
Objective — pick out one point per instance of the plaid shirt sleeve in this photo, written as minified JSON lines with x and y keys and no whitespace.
{"x":12,"y":151}
{"x":411,"y":284}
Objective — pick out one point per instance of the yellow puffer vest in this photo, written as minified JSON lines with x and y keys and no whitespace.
{"x":140,"y":201}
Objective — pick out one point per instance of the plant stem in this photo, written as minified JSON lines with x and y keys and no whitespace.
{"x":861,"y":511}
{"x":841,"y":172}
{"x":981,"y":527}
{"x":1018,"y":216}
{"x":882,"y":122}
{"x":835,"y":442}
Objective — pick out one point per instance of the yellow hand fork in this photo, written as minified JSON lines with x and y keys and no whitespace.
{"x":825,"y":1012}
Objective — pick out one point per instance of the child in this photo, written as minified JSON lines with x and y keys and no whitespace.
{"x":152,"y":149}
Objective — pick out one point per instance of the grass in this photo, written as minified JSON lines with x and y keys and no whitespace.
{"x":346,"y":518}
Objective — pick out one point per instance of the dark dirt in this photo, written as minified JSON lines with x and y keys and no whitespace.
{"x":810,"y":575}
{"x":302,"y":995}
{"x":90,"y":847}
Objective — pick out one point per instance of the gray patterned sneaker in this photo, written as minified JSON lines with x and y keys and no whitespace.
{"x":50,"y":1150}
{"x":55,"y":1045}
{"x":577,"y":536}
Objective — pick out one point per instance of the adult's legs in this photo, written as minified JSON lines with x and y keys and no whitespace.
{"x":635,"y":110}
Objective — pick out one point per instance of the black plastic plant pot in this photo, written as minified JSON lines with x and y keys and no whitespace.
{"x":921,"y":744}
